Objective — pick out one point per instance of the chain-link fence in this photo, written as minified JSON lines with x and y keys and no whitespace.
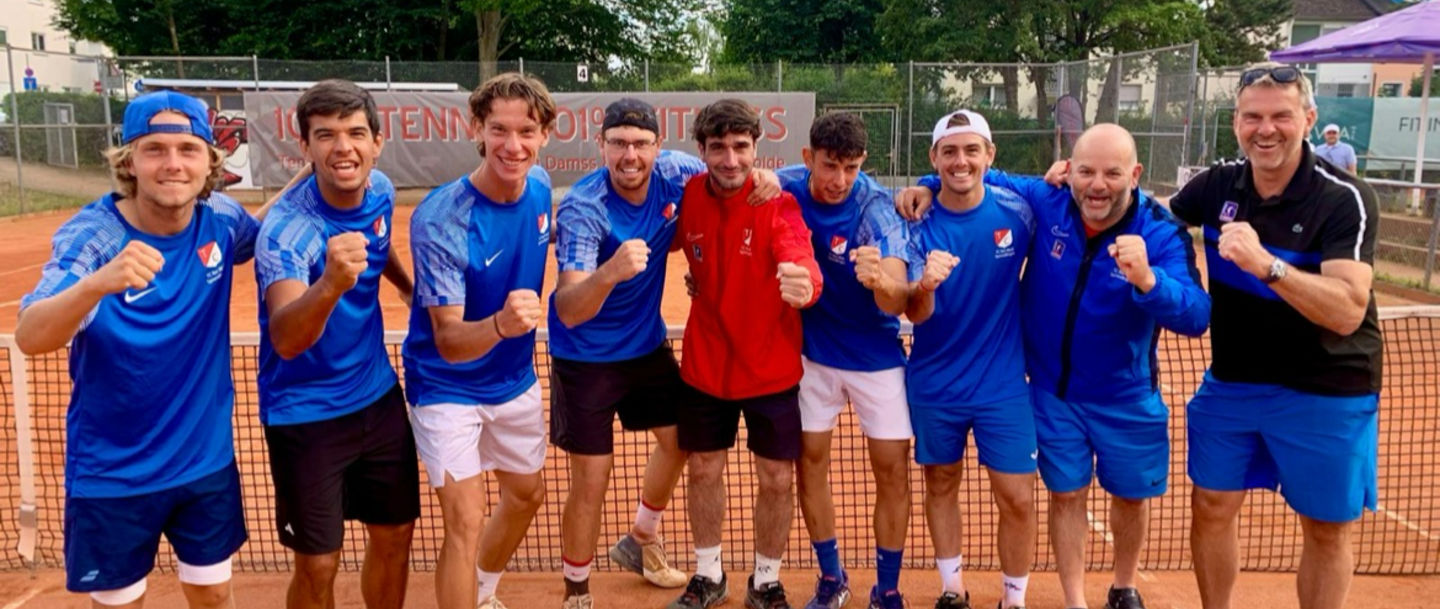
{"x":62,"y":121}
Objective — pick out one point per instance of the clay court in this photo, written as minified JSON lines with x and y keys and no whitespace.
{"x":1402,"y":538}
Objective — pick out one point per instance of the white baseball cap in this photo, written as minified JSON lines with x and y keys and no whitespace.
{"x":977,"y":125}
{"x":1331,"y":127}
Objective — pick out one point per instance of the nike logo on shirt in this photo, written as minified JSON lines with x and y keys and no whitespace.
{"x":134,"y":296}
{"x":492,"y":258}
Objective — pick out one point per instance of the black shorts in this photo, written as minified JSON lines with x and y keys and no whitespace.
{"x":360,"y":466}
{"x":585,"y":397}
{"x":772,"y":423}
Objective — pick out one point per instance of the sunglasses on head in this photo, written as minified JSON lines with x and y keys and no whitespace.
{"x":1280,"y":74}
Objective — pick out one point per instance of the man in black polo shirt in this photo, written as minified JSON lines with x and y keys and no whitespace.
{"x":1290,"y":400}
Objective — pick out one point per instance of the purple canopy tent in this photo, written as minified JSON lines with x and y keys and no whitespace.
{"x":1411,"y":35}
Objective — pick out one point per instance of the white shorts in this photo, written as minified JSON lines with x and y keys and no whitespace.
{"x":465,"y":440}
{"x":878,"y":398}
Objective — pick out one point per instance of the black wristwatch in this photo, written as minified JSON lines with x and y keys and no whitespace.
{"x":1278,"y":268}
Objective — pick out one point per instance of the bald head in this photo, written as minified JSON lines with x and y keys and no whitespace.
{"x":1106,"y":140}
{"x":1103,"y":171}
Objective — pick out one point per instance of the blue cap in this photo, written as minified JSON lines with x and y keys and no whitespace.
{"x":145,"y":107}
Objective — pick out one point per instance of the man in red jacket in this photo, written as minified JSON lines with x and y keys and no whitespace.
{"x":753,"y":269}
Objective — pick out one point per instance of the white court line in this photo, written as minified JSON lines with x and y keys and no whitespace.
{"x":6,"y":304}
{"x":24,"y":598}
{"x":22,"y":269}
{"x":1406,"y":523}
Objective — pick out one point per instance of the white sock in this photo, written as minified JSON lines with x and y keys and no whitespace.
{"x":647,"y":520}
{"x":485,"y":584}
{"x":950,"y":575}
{"x":767,"y":570}
{"x":576,"y":572}
{"x":707,"y":563}
{"x":1014,"y":590}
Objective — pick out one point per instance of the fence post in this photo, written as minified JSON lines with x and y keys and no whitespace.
{"x":100,"y":66}
{"x":910,"y":123}
{"x":1189,"y":104}
{"x":1434,"y":239}
{"x":779,"y":75}
{"x":15,"y":123}
{"x":387,"y":73}
{"x":255,"y":70}
{"x":25,"y":454}
{"x":522,"y":66}
{"x":647,"y":75}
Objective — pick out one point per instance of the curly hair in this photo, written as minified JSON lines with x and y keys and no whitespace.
{"x":724,"y":117}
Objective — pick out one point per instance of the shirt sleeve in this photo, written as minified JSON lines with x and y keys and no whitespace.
{"x":1177,"y":301}
{"x":580,"y":228}
{"x":678,"y":167}
{"x":437,"y":242}
{"x":244,"y":228}
{"x":1349,"y":231}
{"x":288,"y":247}
{"x":790,"y":241}
{"x":882,"y":227}
{"x":1189,"y":204}
{"x":79,"y":248}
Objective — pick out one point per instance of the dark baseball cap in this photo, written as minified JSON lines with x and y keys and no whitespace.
{"x":632,"y":112}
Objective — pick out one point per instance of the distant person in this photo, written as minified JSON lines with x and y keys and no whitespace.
{"x":1339,"y":153}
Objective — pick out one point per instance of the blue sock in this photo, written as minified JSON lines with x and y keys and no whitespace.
{"x":887,"y":569}
{"x":828,"y":554}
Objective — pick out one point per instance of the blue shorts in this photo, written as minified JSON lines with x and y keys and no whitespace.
{"x":110,"y":542}
{"x":1128,"y":445}
{"x":1319,"y":451}
{"x":1004,"y":434}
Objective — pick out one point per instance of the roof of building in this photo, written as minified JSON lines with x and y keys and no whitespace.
{"x":1342,"y":10}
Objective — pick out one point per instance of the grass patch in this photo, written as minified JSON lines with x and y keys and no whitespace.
{"x":35,"y":200}
{"x":1414,"y":284}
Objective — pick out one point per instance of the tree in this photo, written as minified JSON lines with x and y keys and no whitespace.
{"x":1238,"y":32}
{"x":801,"y":31}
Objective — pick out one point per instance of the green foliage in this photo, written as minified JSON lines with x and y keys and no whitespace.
{"x":1238,"y":32}
{"x":89,"y":110}
{"x":802,"y":31}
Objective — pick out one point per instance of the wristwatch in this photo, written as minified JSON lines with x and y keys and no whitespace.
{"x":1278,"y":268}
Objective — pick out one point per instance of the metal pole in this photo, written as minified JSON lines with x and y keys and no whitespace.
{"x":1430,"y":247}
{"x":109,"y":127}
{"x":255,"y":70}
{"x":1119,"y":77}
{"x":1204,"y":118}
{"x":910,"y":125}
{"x":1190,"y":103}
{"x":1424,"y":128}
{"x":387,"y":73}
{"x":779,"y":75}
{"x":647,"y":75}
{"x":15,"y":122}
{"x":522,"y":66}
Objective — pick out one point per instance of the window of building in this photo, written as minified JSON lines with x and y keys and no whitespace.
{"x":4,"y":36}
{"x":37,"y":41}
{"x":1390,"y":89}
{"x":1129,"y":100}
{"x":992,"y":95}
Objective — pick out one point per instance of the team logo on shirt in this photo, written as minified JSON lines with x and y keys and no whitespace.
{"x":380,"y":227}
{"x":838,"y":245}
{"x":1228,"y":211}
{"x":211,"y":257}
{"x":1057,"y":250}
{"x":668,"y":212}
{"x":745,"y":242}
{"x":1004,"y":243}
{"x":542,"y":222}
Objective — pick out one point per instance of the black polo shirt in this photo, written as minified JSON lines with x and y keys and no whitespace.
{"x":1256,"y":337}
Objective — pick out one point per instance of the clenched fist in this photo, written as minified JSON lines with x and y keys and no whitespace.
{"x":938,"y":265}
{"x":346,"y":259}
{"x":867,"y":266}
{"x":520,"y":314}
{"x":795,"y":287}
{"x":1240,"y":244}
{"x":1133,"y":260}
{"x":629,"y":260}
{"x":132,"y":269}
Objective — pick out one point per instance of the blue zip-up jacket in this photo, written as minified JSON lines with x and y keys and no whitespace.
{"x":1090,"y":336}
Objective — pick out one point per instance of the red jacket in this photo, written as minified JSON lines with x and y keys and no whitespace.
{"x":742,"y":340}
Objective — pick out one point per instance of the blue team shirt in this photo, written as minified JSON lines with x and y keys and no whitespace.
{"x":590,"y":224}
{"x":970,"y":351}
{"x":348,"y":367}
{"x":152,"y":399}
{"x":845,"y":329}
{"x":470,"y":251}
